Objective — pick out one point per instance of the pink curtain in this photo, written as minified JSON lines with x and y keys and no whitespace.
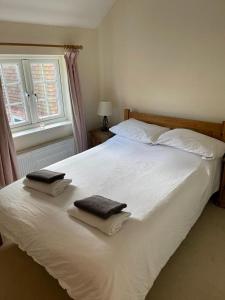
{"x":8,"y":161}
{"x":79,"y":126}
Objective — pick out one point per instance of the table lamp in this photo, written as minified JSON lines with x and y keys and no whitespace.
{"x":105,"y":110}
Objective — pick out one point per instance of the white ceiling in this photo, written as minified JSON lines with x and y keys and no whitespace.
{"x":81,"y":13}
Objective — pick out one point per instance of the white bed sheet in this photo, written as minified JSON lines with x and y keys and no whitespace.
{"x":166,"y":190}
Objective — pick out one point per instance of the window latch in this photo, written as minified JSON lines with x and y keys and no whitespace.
{"x":36,"y":97}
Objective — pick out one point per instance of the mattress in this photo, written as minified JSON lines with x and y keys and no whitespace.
{"x":165,"y":190}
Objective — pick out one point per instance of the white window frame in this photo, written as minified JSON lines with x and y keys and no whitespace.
{"x":30,"y":98}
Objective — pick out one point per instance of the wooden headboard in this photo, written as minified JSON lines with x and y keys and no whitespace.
{"x":215,"y":130}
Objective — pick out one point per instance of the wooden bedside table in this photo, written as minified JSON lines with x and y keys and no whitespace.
{"x":97,"y":136}
{"x":221,"y":201}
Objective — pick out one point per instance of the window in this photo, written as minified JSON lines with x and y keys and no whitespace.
{"x":32,"y":91}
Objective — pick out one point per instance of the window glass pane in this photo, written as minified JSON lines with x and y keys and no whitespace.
{"x":42,"y":108}
{"x":10,"y":72}
{"x":49,"y":71}
{"x":13,"y":93}
{"x":18,"y":114}
{"x":52,"y":98}
{"x":40,"y":90}
{"x":46,"y":86}
{"x":53,"y":109}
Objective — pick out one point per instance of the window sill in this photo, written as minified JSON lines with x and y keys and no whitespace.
{"x":40,"y":129}
{"x":36,"y":136}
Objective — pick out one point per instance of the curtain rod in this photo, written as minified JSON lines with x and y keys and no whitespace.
{"x":43,"y":45}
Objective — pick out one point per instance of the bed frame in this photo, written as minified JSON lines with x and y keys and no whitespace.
{"x":215,"y":130}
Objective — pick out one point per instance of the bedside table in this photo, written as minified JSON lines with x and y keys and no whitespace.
{"x":222,"y":186}
{"x":97,"y":136}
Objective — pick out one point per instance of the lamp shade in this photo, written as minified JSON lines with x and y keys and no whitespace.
{"x":105,"y":108}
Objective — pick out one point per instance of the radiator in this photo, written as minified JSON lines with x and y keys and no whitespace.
{"x":44,"y":156}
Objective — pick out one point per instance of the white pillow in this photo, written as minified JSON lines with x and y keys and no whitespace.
{"x":138,"y":131}
{"x":191,"y":141}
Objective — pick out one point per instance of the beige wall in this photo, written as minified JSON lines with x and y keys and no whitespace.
{"x":165,"y":57}
{"x":88,"y":59}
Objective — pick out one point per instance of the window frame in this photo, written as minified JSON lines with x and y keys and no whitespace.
{"x":24,"y":62}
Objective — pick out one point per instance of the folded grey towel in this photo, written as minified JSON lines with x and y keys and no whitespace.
{"x":100,"y":206}
{"x":46,"y":176}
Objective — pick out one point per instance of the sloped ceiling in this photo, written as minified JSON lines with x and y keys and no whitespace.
{"x":80,"y":13}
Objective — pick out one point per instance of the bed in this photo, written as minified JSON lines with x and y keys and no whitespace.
{"x":165,"y":189}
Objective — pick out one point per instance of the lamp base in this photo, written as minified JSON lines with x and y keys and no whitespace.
{"x":105,"y":124}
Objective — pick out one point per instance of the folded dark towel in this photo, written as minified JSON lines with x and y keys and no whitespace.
{"x":45,"y":176}
{"x":100,"y":206}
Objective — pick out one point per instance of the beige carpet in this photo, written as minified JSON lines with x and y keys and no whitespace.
{"x":195,"y":272}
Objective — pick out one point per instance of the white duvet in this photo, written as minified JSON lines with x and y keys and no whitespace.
{"x":165,"y":190}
